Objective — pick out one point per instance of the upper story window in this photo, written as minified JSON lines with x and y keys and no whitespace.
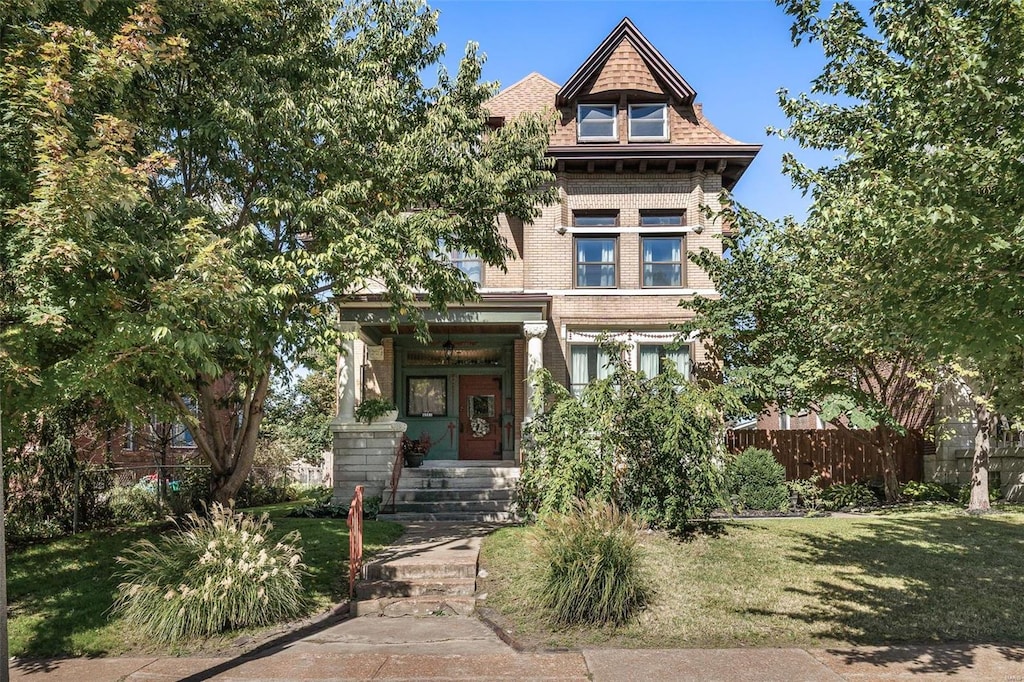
{"x":471,"y":264}
{"x":663,"y":261}
{"x":595,"y":218}
{"x":648,"y":122}
{"x":595,"y":262}
{"x":669,"y":218}
{"x":597,"y":123}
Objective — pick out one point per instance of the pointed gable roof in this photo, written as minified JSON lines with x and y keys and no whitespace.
{"x":612,"y":50}
{"x":535,"y":93}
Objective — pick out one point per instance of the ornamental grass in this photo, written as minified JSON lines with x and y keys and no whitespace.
{"x":210,"y":575}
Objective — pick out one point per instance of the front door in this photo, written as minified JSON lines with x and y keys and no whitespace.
{"x":479,"y":417}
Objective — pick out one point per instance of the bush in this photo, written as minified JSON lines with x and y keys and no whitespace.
{"x":807,"y":492}
{"x":212,"y":574}
{"x":591,"y":570}
{"x":758,"y":481}
{"x":133,"y":503}
{"x":925,"y":491}
{"x":963,"y":496}
{"x":648,"y":445}
{"x":842,"y":495}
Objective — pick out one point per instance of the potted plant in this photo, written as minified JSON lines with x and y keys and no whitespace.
{"x":376,"y":410}
{"x":415,"y":451}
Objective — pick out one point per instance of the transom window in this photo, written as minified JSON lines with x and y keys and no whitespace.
{"x":663,"y":261}
{"x":595,"y":261}
{"x":595,"y":218}
{"x":648,"y":122}
{"x":669,"y":218}
{"x":596,"y":123}
{"x":656,"y":358}
{"x":588,"y":362}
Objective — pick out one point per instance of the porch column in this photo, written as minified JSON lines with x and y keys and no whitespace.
{"x":347,"y":371}
{"x":534,"y":333}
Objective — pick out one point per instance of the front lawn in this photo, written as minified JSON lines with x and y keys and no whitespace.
{"x":59,"y":591}
{"x":936,"y":575}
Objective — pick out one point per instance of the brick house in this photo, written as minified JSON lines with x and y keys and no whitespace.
{"x":634,"y":160}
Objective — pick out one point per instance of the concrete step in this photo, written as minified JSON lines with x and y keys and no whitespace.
{"x":383,"y":589}
{"x":467,"y":517}
{"x":431,"y":571}
{"x":414,"y":606}
{"x":461,"y":472}
{"x":447,"y":506}
{"x":472,"y":483}
{"x":444,"y":494}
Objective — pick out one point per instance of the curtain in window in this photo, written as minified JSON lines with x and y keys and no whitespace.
{"x":653,"y":359}
{"x":608,"y":256}
{"x":580,"y":367}
{"x":650,"y":360}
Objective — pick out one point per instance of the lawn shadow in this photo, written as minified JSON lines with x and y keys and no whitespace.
{"x":913,"y":580}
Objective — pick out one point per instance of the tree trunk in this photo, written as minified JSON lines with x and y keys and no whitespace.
{"x":979,"y":471}
{"x":890,"y":475}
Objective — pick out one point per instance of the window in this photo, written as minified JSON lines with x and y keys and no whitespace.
{"x":181,"y":437}
{"x":427,"y":397}
{"x":656,"y":358}
{"x":587,"y":363}
{"x":129,"y":437}
{"x":648,"y":122}
{"x":663,"y":261}
{"x":597,"y":123}
{"x":670,"y":218}
{"x":595,"y":218}
{"x":595,"y":261}
{"x":471,"y":265}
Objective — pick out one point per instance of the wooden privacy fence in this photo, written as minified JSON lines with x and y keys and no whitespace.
{"x":835,"y":454}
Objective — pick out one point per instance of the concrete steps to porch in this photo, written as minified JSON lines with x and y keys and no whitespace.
{"x":455,"y":492}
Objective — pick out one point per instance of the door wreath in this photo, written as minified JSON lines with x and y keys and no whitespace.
{"x":480,"y":426}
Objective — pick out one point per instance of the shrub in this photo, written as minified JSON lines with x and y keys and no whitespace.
{"x":591,"y":570}
{"x":133,"y":503}
{"x":841,"y":495}
{"x":758,"y":481}
{"x":925,"y":491}
{"x":963,"y":496}
{"x":212,"y":574}
{"x":807,"y":492}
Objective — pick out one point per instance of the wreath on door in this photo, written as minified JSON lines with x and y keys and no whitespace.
{"x":480,"y":426}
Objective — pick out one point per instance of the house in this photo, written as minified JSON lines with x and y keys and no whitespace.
{"x":634,"y":159}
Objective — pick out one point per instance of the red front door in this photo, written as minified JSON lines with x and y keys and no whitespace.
{"x":479,"y":417}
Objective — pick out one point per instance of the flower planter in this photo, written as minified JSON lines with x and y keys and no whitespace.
{"x":387,"y":418}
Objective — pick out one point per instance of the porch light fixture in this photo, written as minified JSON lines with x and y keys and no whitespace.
{"x":449,"y":350}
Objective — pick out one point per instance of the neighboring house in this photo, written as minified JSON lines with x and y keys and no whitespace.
{"x":634,"y":161}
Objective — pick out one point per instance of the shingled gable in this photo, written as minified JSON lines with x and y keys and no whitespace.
{"x":612,"y":47}
{"x":532,"y":94}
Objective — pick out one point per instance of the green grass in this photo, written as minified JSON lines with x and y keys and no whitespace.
{"x":934,"y":575}
{"x":59,"y":591}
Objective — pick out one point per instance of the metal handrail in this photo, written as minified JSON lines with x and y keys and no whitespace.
{"x":355,"y":540}
{"x":396,"y":471}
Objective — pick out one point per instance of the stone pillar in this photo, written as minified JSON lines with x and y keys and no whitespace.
{"x":348,"y":372}
{"x":364,"y":454}
{"x":534,"y":333}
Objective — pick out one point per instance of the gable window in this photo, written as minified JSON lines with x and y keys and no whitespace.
{"x":648,"y":122}
{"x":656,"y":358}
{"x":588,"y":362}
{"x":596,"y":123}
{"x":595,"y":261}
{"x":595,"y":218}
{"x":663,"y":261}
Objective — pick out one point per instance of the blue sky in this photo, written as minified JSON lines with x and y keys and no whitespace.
{"x":735,"y":53}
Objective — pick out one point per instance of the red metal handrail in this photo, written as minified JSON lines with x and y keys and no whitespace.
{"x":396,"y":471}
{"x":355,"y":540}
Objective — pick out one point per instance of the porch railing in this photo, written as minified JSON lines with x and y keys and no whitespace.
{"x":355,"y":540}
{"x":396,"y":472}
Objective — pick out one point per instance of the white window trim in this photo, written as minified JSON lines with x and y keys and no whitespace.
{"x":649,"y":138}
{"x":615,"y":124}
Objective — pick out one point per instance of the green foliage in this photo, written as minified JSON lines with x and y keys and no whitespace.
{"x":757,"y":480}
{"x":133,"y":503}
{"x":808,"y":492}
{"x":212,"y":574}
{"x":925,"y":491}
{"x":590,"y":566}
{"x":963,"y":493}
{"x":843,"y":495}
{"x":298,"y":418}
{"x":646,"y":444}
{"x":374,"y":408}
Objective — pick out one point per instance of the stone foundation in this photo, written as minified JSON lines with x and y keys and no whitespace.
{"x":364,"y":454}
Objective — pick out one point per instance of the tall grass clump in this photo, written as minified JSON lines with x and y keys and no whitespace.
{"x":590,"y":566}
{"x":210,"y":575}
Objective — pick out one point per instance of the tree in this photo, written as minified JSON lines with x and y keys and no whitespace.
{"x":927,"y":197}
{"x":297,"y":158}
{"x":785,"y":336}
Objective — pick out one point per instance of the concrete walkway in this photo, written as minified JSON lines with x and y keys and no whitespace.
{"x":456,"y":647}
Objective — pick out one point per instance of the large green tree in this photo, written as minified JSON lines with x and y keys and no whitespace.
{"x":295,"y":156}
{"x":922,"y":100}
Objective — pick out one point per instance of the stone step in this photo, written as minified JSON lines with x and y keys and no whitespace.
{"x":410,"y":571}
{"x":446,"y":506}
{"x":457,"y":483}
{"x":461,"y":472}
{"x":414,"y":606}
{"x":467,"y":517}
{"x":457,"y":494}
{"x":383,"y":589}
